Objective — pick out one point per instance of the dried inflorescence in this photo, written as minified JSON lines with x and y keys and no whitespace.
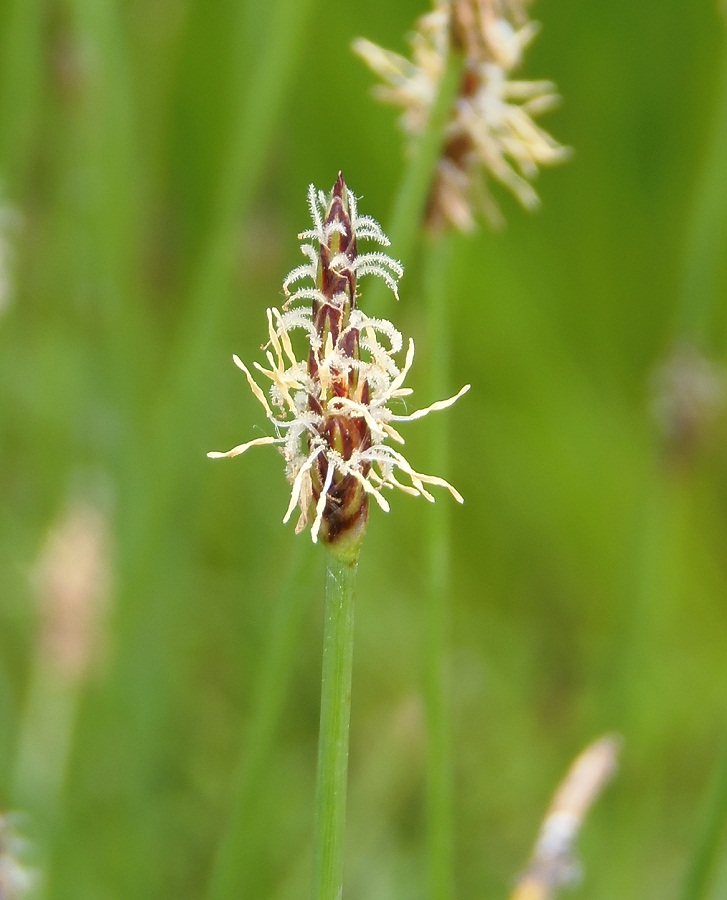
{"x":689,"y":394}
{"x":333,"y":411}
{"x":491,"y":133}
{"x":553,"y":864}
{"x":73,"y":580}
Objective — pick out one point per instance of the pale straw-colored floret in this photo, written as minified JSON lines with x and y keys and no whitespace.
{"x":411,"y":84}
{"x":298,"y":430}
{"x":492,"y":123}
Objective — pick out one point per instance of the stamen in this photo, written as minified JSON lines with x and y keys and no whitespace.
{"x":241,"y":448}
{"x":295,"y":493}
{"x":257,"y":391}
{"x":434,"y":407}
{"x":321,"y":505}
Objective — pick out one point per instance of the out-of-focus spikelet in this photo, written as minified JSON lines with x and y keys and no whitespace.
{"x":553,"y":863}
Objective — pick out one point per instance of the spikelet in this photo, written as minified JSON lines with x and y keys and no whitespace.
{"x":334,"y":412}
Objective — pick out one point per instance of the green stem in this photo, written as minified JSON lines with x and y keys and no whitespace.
{"x":703,"y":861}
{"x":700,"y":299}
{"x":404,"y":231}
{"x":411,"y":198}
{"x":44,"y":744}
{"x":22,"y":60}
{"x":333,"y":737}
{"x":707,"y":232}
{"x":440,"y":829}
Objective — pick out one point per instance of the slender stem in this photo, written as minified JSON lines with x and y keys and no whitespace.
{"x":44,"y":744}
{"x":700,"y":301}
{"x":21,"y":73}
{"x":404,"y":231}
{"x":411,"y":198}
{"x":703,"y":861}
{"x":439,"y":756}
{"x":333,"y":736}
{"x":707,"y":230}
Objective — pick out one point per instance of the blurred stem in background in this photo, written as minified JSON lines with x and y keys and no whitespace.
{"x":21,"y":74}
{"x":410,"y":202}
{"x":183,"y":393}
{"x":252,"y":129}
{"x":21,"y":68}
{"x":149,"y":472}
{"x":72,"y":581}
{"x":45,"y":740}
{"x":706,"y":237}
{"x":181,"y":398}
{"x":707,"y":852}
{"x":700,"y":303}
{"x":332,"y":777}
{"x":95,"y":275}
{"x":232,"y":875}
{"x":470,"y":54}
{"x":437,"y":680}
{"x":103,"y":215}
{"x":405,"y":231}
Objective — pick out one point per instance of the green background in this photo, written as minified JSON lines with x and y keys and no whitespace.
{"x":156,"y":155}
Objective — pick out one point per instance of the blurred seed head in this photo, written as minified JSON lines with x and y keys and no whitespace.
{"x":688,"y":394}
{"x":553,"y":863}
{"x":73,"y":581}
{"x":491,"y":135}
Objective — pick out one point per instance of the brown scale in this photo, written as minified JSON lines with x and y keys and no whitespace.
{"x":329,"y":317}
{"x":347,"y":504}
{"x":458,"y":150}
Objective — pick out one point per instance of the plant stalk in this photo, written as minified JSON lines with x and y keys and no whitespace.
{"x":407,"y":216}
{"x":440,"y":840}
{"x":700,"y":303}
{"x":703,"y":863}
{"x":333,"y":736}
{"x":707,"y":229}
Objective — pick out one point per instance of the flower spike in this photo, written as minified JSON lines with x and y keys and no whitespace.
{"x":332,"y":410}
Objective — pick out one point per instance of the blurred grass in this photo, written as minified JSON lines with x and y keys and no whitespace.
{"x":157,"y":155}
{"x":437,"y":675}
